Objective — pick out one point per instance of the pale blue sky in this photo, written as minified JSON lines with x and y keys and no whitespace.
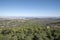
{"x":30,"y":8}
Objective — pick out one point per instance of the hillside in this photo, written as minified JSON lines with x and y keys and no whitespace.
{"x":8,"y":22}
{"x":29,"y":29}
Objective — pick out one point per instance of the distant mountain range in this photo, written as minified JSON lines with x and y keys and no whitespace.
{"x":20,"y":17}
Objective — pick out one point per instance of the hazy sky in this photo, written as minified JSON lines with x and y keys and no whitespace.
{"x":35,"y":8}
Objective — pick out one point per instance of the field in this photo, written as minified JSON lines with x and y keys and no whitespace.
{"x":30,"y":29}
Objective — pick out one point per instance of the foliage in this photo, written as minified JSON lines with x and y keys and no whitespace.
{"x":27,"y":30}
{"x":29,"y":33}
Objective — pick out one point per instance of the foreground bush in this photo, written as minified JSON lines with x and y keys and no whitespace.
{"x":29,"y":33}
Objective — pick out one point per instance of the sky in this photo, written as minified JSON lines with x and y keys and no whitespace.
{"x":30,"y":8}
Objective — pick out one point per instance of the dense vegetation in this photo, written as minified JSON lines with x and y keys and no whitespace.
{"x":29,"y":33}
{"x":28,"y":30}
